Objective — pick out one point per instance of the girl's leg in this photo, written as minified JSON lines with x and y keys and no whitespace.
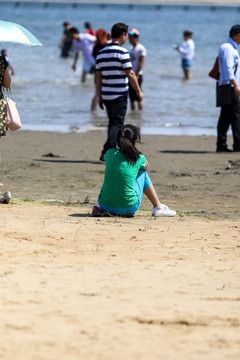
{"x":159,"y":209}
{"x":142,"y":182}
{"x":144,"y":185}
{"x":152,"y":195}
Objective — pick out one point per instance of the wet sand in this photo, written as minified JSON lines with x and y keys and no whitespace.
{"x":186,"y":171}
{"x":77,"y":287}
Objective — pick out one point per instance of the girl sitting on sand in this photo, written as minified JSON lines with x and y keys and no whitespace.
{"x":126,"y":179}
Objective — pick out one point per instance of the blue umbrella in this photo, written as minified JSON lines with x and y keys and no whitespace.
{"x":14,"y":33}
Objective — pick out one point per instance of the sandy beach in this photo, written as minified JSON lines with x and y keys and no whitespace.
{"x":77,"y":287}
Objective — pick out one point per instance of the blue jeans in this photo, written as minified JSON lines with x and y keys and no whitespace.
{"x":142,"y":182}
{"x":186,"y":63}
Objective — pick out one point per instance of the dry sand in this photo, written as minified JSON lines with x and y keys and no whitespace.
{"x":77,"y":287}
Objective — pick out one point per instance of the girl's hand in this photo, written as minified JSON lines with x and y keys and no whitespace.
{"x":146,"y":165}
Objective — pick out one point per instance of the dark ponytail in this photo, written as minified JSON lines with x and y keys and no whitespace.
{"x":126,"y":137}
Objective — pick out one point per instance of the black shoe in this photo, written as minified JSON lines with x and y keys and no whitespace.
{"x":224,"y":149}
{"x":102,"y":158}
{"x":127,"y":215}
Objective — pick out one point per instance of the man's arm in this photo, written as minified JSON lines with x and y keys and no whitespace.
{"x":228,"y":63}
{"x":91,"y":37}
{"x":75,"y":61}
{"x":6,"y":79}
{"x":134,"y":83}
{"x":99,"y":89}
{"x":64,"y":37}
{"x":236,"y":86}
{"x":141,"y":64}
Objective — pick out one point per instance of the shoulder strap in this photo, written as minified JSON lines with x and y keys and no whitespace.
{"x":236,"y":67}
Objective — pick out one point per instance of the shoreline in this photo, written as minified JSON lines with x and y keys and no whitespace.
{"x":145,"y":130}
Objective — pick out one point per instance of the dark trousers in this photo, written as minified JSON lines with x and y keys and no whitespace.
{"x":116,"y":111}
{"x":229,"y":115}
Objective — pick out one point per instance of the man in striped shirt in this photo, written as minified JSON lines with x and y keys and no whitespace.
{"x":113,"y":72}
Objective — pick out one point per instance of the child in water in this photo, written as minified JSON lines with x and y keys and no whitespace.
{"x":126,"y":179}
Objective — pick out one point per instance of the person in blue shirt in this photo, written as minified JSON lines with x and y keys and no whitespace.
{"x":229,"y":73}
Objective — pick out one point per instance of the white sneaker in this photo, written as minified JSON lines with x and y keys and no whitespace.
{"x":163,"y":210}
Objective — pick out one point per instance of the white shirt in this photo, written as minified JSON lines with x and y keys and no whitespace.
{"x":228,"y":58}
{"x":135,"y":53}
{"x":187,"y":49}
{"x":85,"y":45}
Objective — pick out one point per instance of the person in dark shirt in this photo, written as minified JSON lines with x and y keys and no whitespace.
{"x":66,"y":42}
{"x":101,"y":42}
{"x":89,"y":29}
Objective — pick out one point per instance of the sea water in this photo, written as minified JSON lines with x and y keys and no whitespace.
{"x":51,"y":97}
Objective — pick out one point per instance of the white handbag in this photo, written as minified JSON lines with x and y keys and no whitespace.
{"x":13,"y":120}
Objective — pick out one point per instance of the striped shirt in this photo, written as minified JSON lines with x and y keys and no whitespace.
{"x":112,"y":61}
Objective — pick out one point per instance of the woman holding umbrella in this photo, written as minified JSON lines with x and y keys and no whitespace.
{"x":17,"y":34}
{"x":5,"y":81}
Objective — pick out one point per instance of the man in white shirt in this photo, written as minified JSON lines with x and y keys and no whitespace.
{"x":228,"y":59}
{"x":84,"y":43}
{"x":137,"y":56}
{"x":187,"y":51}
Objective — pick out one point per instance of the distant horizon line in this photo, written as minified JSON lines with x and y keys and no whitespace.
{"x":136,"y":2}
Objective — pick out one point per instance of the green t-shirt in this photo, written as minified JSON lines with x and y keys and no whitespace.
{"x":118,"y":187}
